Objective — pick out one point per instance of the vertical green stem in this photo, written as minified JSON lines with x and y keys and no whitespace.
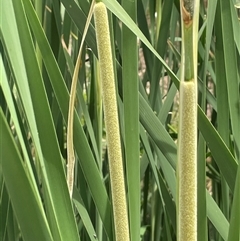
{"x":188,"y":68}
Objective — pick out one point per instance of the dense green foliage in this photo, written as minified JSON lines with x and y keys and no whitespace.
{"x":39,"y":44}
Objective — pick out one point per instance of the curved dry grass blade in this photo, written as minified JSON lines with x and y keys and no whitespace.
{"x":70,"y":147}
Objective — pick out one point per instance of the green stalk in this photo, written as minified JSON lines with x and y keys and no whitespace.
{"x":187,"y":142}
{"x":111,"y":123}
{"x":188,"y":47}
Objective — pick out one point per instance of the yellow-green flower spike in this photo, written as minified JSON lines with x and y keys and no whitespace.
{"x":187,"y":163}
{"x":187,"y":137}
{"x":111,"y":123}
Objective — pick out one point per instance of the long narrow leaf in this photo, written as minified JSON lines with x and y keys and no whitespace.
{"x":85,"y":155}
{"x":59,"y":204}
{"x":23,"y":198}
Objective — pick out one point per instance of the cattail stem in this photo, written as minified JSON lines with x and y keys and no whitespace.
{"x":111,"y":123}
{"x":187,"y":138}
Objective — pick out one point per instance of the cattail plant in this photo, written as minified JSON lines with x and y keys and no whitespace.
{"x":111,"y":123}
{"x":187,"y":142}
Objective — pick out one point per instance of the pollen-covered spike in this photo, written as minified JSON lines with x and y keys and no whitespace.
{"x":111,"y":123}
